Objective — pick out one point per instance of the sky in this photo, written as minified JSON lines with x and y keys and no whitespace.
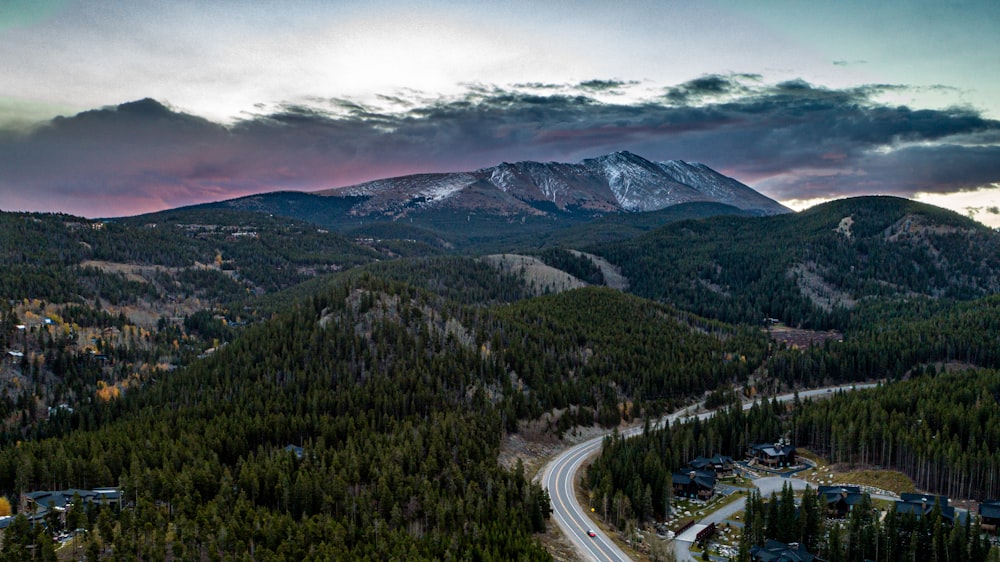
{"x":124,"y":107}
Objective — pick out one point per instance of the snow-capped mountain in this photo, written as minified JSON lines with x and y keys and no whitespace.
{"x":615,"y":182}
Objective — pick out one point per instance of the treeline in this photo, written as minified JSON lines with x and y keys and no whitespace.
{"x":463,"y":280}
{"x":631,"y":479}
{"x":896,"y":340}
{"x":577,"y":265}
{"x":88,"y":317}
{"x":864,"y":535}
{"x":42,"y":255}
{"x":942,"y":430}
{"x":615,"y":353}
{"x":458,"y":279}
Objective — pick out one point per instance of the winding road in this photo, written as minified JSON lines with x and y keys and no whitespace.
{"x":559,"y":478}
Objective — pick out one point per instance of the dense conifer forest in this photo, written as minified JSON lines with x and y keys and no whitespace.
{"x":862,"y":535}
{"x":262,"y":389}
{"x":810,"y":268}
{"x":394,"y":414}
{"x":939,"y":428}
{"x":399,"y":399}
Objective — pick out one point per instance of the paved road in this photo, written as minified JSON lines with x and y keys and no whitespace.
{"x":559,"y":477}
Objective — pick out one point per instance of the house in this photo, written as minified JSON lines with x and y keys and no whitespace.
{"x":922,"y":504}
{"x":696,"y":484}
{"x":774,"y":551}
{"x":720,"y":464}
{"x":773,"y":455}
{"x":839,"y":500}
{"x":989,"y":515}
{"x":36,"y":505}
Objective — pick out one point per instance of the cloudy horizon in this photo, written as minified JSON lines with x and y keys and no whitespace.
{"x":802,"y":101}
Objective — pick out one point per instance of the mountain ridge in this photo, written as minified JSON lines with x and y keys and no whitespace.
{"x":811,"y":268}
{"x":616,"y":182}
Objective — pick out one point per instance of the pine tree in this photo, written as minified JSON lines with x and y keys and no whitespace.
{"x":810,"y":520}
{"x":835,"y":544}
{"x":773,"y":528}
{"x":787,"y":526}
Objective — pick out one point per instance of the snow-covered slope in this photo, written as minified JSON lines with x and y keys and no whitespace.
{"x":718,"y":187}
{"x":620,"y":181}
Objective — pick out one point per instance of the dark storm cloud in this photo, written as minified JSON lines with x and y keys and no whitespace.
{"x":701,"y":87}
{"x":598,"y":85}
{"x":793,"y":140}
{"x":605,"y":86}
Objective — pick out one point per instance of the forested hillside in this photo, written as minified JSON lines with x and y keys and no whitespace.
{"x":618,"y":354}
{"x":937,"y":427}
{"x":186,"y":357}
{"x":216,"y":255}
{"x":399,"y":398}
{"x":399,"y":435}
{"x":942,"y":430}
{"x":94,"y":308}
{"x":811,"y":268}
{"x":895,"y":339}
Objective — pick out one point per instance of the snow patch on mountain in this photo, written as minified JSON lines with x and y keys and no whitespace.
{"x":640,"y":185}
{"x":430,"y":187}
{"x":502,"y":176}
{"x":620,"y":181}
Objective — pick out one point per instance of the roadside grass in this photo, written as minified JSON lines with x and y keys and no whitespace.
{"x":811,"y":456}
{"x":891,"y":480}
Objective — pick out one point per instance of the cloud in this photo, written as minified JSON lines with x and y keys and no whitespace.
{"x":791,"y":140}
{"x":710,"y":87}
{"x":613,"y":87}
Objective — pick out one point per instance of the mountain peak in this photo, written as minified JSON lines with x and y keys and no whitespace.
{"x":620,"y":157}
{"x":615,"y":182}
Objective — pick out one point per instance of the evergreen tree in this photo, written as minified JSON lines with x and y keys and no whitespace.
{"x":834,"y":551}
{"x":810,"y":521}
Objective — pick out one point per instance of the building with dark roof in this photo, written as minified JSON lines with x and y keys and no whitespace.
{"x":696,"y":484}
{"x":989,"y":515}
{"x":773,"y":455}
{"x":920,"y":505}
{"x":36,"y":505}
{"x":720,"y":464}
{"x":839,"y":500}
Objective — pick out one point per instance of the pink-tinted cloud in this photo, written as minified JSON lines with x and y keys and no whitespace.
{"x":791,"y":140}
